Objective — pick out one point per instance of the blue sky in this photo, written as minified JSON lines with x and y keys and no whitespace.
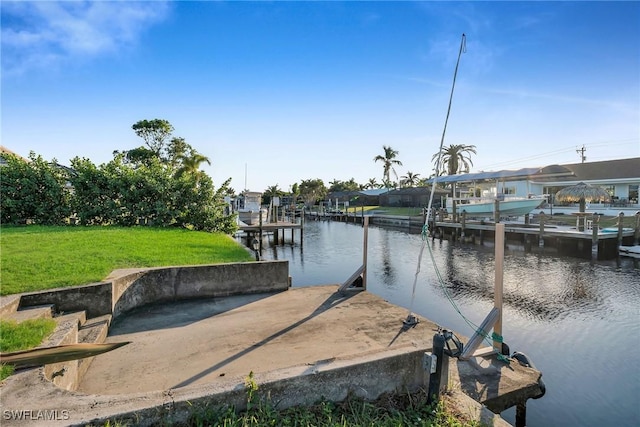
{"x":304,"y":90}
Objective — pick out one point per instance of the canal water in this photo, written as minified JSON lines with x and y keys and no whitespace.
{"x":577,"y":320}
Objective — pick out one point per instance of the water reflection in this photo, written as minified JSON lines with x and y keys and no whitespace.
{"x":388,"y":276}
{"x":565,"y":313}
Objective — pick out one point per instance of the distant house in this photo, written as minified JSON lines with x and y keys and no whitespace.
{"x":355,"y":198}
{"x":621,"y":178}
{"x":412,"y":197}
{"x":5,"y":150}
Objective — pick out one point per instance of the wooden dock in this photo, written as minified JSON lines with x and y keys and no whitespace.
{"x":276,"y":228}
{"x":592,"y":242}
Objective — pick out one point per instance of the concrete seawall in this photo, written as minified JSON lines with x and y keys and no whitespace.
{"x":217,"y":323}
{"x":125,"y":290}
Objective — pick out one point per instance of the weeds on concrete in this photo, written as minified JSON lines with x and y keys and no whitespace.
{"x":390,"y":410}
{"x":410,"y":409}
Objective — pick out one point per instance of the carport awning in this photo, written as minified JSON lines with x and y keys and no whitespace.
{"x":485,"y":176}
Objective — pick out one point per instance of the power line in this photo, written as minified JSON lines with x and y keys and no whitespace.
{"x":563,"y":150}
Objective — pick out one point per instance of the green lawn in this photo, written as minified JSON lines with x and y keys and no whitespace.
{"x":22,"y":336}
{"x":37,"y":257}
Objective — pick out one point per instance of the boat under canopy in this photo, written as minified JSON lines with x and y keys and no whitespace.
{"x":510,"y":207}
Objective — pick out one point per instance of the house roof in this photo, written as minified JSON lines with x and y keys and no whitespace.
{"x":608,"y":169}
{"x":483,"y":176}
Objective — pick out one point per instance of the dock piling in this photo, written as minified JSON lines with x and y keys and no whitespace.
{"x":541,"y":235}
{"x":620,"y":227}
{"x":594,"y":236}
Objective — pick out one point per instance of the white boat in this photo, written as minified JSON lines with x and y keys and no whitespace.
{"x":484,"y":208}
{"x":250,"y":211}
{"x":632,"y":251}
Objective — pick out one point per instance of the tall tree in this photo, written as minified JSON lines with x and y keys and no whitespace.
{"x":388,"y":160}
{"x":336,"y":185}
{"x":177,"y":149}
{"x":455,"y":158}
{"x":154,"y":133}
{"x":311,"y":190}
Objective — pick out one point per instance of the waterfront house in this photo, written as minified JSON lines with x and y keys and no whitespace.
{"x":621,"y":178}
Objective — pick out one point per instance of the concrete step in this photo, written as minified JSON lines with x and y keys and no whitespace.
{"x":64,"y":374}
{"x":30,"y":313}
{"x":93,"y":331}
{"x":9,"y":304}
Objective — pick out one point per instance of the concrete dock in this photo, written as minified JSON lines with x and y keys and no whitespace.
{"x":301,"y":345}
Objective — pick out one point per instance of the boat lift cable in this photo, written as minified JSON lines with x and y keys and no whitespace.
{"x":411,"y":319}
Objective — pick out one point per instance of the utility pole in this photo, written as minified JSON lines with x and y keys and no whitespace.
{"x":581,"y":152}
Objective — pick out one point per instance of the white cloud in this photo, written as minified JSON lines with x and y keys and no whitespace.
{"x":44,"y":33}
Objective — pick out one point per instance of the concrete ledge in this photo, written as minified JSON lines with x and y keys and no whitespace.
{"x":367,"y":377}
{"x":9,"y":304}
{"x":31,"y":313}
{"x":131,"y":288}
{"x":95,"y":299}
{"x":206,"y":281}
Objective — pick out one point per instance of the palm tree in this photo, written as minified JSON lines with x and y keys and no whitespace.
{"x":410,"y":179}
{"x":388,"y":160}
{"x":271,"y":192}
{"x":191,"y":164}
{"x":372,"y":183}
{"x":455,"y":158}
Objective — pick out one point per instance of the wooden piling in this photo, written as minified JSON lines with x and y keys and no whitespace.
{"x":463,"y":223}
{"x":620,"y":227}
{"x":301,"y":227}
{"x":636,"y":233}
{"x":521,"y":414}
{"x":260,"y":231}
{"x":594,"y":236}
{"x":541,"y":234}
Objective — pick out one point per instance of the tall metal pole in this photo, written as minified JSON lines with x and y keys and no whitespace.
{"x":364,"y":252}
{"x":498,"y":285}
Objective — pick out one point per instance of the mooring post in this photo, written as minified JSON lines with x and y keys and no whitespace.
{"x":594,"y":236}
{"x":636,"y":233}
{"x":260,"y":230}
{"x":301,"y":226}
{"x":620,"y":227}
{"x":521,"y":414}
{"x":541,"y":234}
{"x":439,"y":379}
{"x":463,"y":224}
